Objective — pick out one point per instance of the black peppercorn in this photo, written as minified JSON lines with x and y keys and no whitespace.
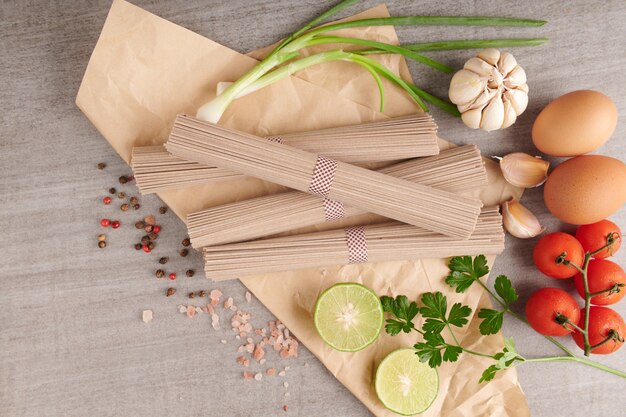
{"x":153,"y":236}
{"x":139,"y":225}
{"x":145,"y":239}
{"x":202,"y":294}
{"x":186,"y":242}
{"x":184,"y":252}
{"x":138,"y":246}
{"x":121,"y":194}
{"x":134,"y":200}
{"x":190,"y":273}
{"x":151,"y":245}
{"x":170,"y":292}
{"x":112,"y":190}
{"x":123,"y":179}
{"x":163,"y":260}
{"x":124,"y":207}
{"x":102,"y":244}
{"x":163,"y":210}
{"x":191,"y":295}
{"x":159,"y":273}
{"x":102,"y":165}
{"x":136,"y":206}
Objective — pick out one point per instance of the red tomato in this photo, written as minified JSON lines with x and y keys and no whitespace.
{"x":594,"y":236}
{"x":550,"y":247}
{"x":602,"y":275}
{"x":602,"y":321}
{"x":543,"y":307}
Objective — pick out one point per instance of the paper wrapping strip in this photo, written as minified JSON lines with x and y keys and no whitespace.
{"x":145,"y":70}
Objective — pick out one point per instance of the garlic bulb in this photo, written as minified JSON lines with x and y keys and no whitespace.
{"x":523,"y":170}
{"x":519,"y":221}
{"x":490,"y":91}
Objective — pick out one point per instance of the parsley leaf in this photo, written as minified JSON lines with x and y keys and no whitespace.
{"x":505,"y":359}
{"x":403,"y":310}
{"x":451,"y":354}
{"x":430,"y":350}
{"x":489,"y":374}
{"x":464,"y":272}
{"x":504,"y":288}
{"x":458,"y":315}
{"x":433,"y":326}
{"x":435,"y":305}
{"x":492,"y":321}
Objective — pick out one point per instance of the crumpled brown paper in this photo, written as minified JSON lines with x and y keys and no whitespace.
{"x":145,"y":70}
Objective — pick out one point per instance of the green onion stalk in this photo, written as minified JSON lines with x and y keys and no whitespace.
{"x":284,"y":60}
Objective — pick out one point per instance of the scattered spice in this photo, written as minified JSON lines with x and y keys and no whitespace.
{"x":170,"y":292}
{"x":190,"y":273}
{"x":123,"y":179}
{"x":124,"y":207}
{"x":102,"y":244}
{"x":149,"y":220}
{"x":105,"y":222}
{"x":139,"y":225}
{"x":162,"y":210}
{"x":191,"y":295}
{"x":102,"y":237}
{"x":134,"y":200}
{"x":163,"y":260}
{"x":147,"y":316}
{"x":172,"y":276}
{"x":102,"y":165}
{"x":183,"y":252}
{"x":186,"y":242}
{"x":106,"y":200}
{"x":121,"y":195}
{"x":112,"y":190}
{"x":159,"y":273}
{"x":115,"y":224}
{"x":136,"y":206}
{"x":138,"y":246}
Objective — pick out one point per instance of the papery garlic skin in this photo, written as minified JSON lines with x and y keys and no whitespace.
{"x":490,"y":91}
{"x":519,"y":221}
{"x":523,"y":170}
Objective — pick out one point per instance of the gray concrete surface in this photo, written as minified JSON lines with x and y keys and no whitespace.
{"x":72,"y":342}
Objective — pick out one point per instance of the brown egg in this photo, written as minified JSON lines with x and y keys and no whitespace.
{"x":586,"y":189}
{"x":575,"y":124}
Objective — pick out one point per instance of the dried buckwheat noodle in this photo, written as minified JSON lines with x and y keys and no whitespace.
{"x":455,"y":170}
{"x":394,"y":139}
{"x":382,"y":242}
{"x":433,"y":209}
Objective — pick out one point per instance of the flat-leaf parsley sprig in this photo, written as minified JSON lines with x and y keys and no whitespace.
{"x":439,"y":320}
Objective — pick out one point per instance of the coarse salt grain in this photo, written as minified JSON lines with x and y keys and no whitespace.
{"x":228,"y":303}
{"x":182,"y":309}
{"x":262,"y":361}
{"x":198,"y":310}
{"x":286,"y":384}
{"x":258,"y":376}
{"x":147,"y":316}
{"x":248,"y":296}
{"x":223,"y":341}
{"x":282,"y":373}
{"x":287,"y":394}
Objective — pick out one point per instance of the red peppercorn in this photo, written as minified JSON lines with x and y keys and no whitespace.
{"x":115,"y":224}
{"x":105,"y":222}
{"x":172,"y":276}
{"x":146,"y":249}
{"x":106,"y":200}
{"x":156,"y":228}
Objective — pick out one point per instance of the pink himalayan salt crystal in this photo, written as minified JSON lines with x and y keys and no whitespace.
{"x":248,"y":296}
{"x":247,"y":375}
{"x":191,"y":311}
{"x":250,"y":347}
{"x":258,"y":376}
{"x":271,"y":371}
{"x":262,"y":361}
{"x":210,"y":309}
{"x":259,"y":352}
{"x":228,"y":303}
{"x":242,"y":360}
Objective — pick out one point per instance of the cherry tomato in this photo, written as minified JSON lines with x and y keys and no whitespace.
{"x":602,"y":322}
{"x":594,"y":236}
{"x":545,"y":304}
{"x":602,"y":275}
{"x":550,"y":247}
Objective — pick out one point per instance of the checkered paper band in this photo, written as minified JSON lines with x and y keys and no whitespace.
{"x":357,"y":245}
{"x":276,"y":139}
{"x":333,"y":210}
{"x":323,"y":175}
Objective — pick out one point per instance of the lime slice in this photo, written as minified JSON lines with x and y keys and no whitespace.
{"x":348,"y":316}
{"x":404,"y":384}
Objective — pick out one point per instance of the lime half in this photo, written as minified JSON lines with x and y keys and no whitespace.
{"x":404,"y":384}
{"x":348,"y":316}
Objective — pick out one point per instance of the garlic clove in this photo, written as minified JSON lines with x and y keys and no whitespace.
{"x":506,"y":63}
{"x":509,"y":115}
{"x":518,"y":99}
{"x":519,"y":221}
{"x":523,"y":170}
{"x":490,"y":56}
{"x":478,"y":66}
{"x":466,"y":86}
{"x":516,"y":77}
{"x":493,"y":114}
{"x":472,"y":118}
{"x":481,"y":101}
